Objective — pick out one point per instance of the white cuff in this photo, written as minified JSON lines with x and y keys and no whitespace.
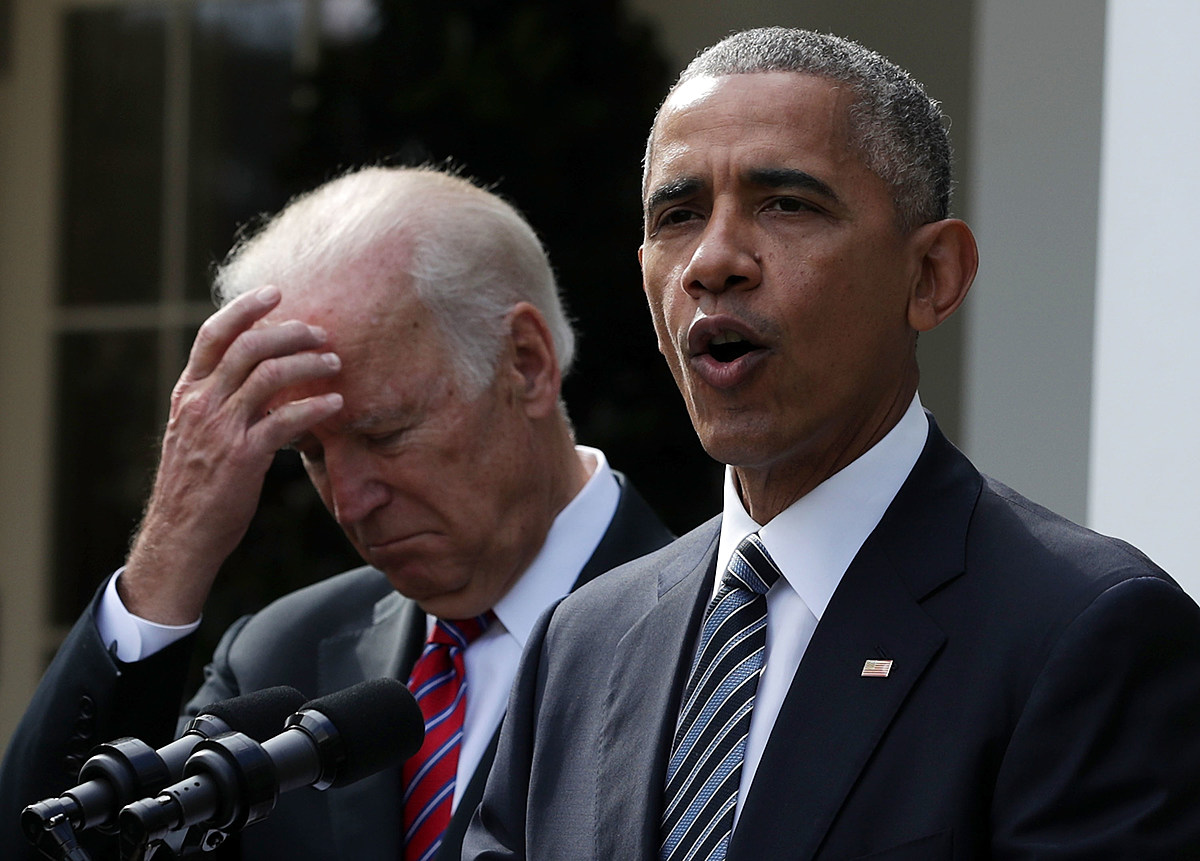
{"x":131,"y":637}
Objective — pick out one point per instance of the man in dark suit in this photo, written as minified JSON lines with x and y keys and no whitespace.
{"x":875,"y":652}
{"x":401,"y":328}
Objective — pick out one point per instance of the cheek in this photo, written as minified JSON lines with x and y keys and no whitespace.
{"x":661,"y":332}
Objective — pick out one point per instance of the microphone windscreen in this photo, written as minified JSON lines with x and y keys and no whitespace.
{"x":379,"y":723}
{"x":258,"y":714}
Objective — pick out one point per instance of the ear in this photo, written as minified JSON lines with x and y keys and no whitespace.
{"x":534,"y":362}
{"x":948,"y":258}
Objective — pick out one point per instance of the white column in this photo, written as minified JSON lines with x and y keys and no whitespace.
{"x":1144,"y":469}
{"x":1033,"y":191}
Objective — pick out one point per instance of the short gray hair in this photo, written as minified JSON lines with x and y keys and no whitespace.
{"x":900,"y":132}
{"x":470,"y":254}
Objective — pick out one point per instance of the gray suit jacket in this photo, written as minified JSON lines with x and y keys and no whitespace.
{"x":320,"y":639}
{"x":1044,"y":700}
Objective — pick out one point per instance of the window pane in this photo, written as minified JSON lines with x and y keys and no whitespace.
{"x":107,"y":428}
{"x":114,"y":163}
{"x":242,"y":82}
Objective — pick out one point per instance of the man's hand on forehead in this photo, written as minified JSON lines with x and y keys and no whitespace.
{"x":227,"y":420}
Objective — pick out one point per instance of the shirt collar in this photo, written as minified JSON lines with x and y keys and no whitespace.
{"x":814,"y":540}
{"x":569,"y":545}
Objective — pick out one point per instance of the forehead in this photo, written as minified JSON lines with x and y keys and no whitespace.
{"x":752,"y":120}
{"x":391,"y":349}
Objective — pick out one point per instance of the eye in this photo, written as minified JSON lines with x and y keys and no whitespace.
{"x":678,"y":216}
{"x":790,"y":204}
{"x":385,"y":439}
{"x":674,"y":217}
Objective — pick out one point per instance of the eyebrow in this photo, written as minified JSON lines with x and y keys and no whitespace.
{"x":373,"y":420}
{"x":672,"y":192}
{"x":783,"y":177}
{"x":765,"y":177}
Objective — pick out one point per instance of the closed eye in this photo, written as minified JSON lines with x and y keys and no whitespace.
{"x":385,"y":439}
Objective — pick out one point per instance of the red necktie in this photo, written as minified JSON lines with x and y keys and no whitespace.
{"x":438,"y":683}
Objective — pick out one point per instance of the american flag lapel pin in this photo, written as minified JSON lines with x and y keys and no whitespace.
{"x":876,"y":669}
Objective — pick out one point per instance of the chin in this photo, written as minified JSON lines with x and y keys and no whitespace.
{"x":737,"y":440}
{"x":730,"y":449}
{"x":435,"y":597}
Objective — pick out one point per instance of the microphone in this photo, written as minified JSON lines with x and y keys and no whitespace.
{"x":233,"y":781}
{"x":126,"y":769}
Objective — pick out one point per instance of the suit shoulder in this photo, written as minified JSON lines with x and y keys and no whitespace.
{"x":342,"y":602}
{"x":1038,"y":554}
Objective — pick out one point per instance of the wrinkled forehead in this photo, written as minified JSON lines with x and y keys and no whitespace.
{"x":383,"y":340}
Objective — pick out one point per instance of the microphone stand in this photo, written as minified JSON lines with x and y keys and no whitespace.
{"x":190,"y":842}
{"x":126,"y":765}
{"x":57,"y":841}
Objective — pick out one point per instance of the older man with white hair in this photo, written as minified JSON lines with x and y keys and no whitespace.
{"x":402,"y":330}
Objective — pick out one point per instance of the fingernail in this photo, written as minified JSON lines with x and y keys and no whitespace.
{"x":317,"y":331}
{"x":268,"y":295}
{"x":333,"y":360}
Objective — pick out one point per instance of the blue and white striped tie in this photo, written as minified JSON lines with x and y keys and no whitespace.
{"x":710,"y":739}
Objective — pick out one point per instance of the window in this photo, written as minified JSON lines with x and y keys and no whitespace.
{"x":176,"y":123}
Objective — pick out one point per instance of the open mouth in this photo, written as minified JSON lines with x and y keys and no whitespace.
{"x":729,"y":347}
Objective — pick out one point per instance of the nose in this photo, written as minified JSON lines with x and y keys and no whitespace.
{"x":353,"y":486}
{"x":725,"y":257}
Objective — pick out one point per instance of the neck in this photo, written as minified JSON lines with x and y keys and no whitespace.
{"x":572,"y":468}
{"x":768,"y":489}
{"x":557,"y":473}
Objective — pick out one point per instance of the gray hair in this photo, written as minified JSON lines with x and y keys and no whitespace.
{"x":899,"y":131}
{"x":470,"y":254}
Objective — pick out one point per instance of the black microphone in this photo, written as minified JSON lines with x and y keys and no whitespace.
{"x":233,"y":781}
{"x":123,"y":770}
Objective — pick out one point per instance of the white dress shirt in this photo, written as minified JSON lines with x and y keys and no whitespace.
{"x":813,"y":542}
{"x":491,"y":660}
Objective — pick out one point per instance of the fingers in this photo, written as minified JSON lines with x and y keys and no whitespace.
{"x":285,"y":421}
{"x":240,"y":365}
{"x":288,"y":421}
{"x":222,"y":328}
{"x":266,"y":359}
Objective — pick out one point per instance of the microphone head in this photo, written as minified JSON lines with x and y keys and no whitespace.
{"x":258,"y":714}
{"x":379,"y":725}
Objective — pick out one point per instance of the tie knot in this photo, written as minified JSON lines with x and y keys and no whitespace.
{"x":751,"y":567}
{"x":460,"y":632}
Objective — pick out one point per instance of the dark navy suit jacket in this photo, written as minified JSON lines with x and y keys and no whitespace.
{"x":1043,"y":702}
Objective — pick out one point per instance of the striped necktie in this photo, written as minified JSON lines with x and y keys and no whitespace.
{"x":438,"y":683}
{"x":705,"y":768}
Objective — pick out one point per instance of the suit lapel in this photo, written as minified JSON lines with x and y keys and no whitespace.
{"x":833,"y":718}
{"x":389,"y":646}
{"x":643,"y":701}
